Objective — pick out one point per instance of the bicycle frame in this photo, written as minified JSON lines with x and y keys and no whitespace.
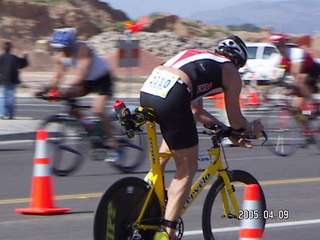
{"x":155,"y":179}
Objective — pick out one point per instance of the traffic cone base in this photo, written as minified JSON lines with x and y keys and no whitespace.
{"x":252,"y":234}
{"x":252,"y":229}
{"x":42,"y":201}
{"x":42,"y":210}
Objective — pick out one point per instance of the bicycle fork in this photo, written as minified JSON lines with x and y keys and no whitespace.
{"x":228,"y":198}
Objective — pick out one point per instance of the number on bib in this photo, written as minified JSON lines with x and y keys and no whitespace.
{"x":159,"y":83}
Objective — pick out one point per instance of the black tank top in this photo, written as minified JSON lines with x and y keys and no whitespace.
{"x":203,"y":68}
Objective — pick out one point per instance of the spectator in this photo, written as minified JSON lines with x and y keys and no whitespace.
{"x":9,"y":78}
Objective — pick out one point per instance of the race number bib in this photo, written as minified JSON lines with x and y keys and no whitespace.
{"x":159,"y":83}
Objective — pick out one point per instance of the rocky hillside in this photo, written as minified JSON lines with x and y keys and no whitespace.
{"x":163,"y":44}
{"x":26,"y":21}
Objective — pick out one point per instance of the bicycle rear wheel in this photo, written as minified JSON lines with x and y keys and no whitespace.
{"x":215,"y":225}
{"x":284,"y":133}
{"x":134,"y":150}
{"x":67,"y":144}
{"x":120,"y":206}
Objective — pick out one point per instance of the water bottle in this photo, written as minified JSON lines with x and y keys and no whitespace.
{"x":121,"y":110}
{"x":124,"y":115}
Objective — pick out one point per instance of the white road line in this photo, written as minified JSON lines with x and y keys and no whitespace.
{"x":269,"y":225}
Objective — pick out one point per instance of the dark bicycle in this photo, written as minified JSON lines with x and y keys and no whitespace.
{"x":74,"y":137}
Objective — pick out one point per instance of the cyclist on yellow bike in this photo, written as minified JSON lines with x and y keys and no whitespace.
{"x":94,"y":73}
{"x":175,"y":90}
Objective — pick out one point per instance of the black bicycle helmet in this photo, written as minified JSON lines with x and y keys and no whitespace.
{"x":235,"y":49}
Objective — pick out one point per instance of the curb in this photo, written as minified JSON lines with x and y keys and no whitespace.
{"x":17,"y":136}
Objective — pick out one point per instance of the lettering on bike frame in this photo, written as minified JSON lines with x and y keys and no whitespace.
{"x":111,"y":221}
{"x":152,"y":151}
{"x":204,"y":159}
{"x":202,"y":183}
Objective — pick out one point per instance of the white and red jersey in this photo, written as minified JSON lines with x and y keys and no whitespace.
{"x":298,"y":55}
{"x":203,"y":68}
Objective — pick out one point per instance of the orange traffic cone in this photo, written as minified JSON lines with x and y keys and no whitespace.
{"x":42,"y":201}
{"x":253,"y":98}
{"x":252,"y":222}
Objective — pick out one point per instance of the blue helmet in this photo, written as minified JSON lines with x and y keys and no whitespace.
{"x":63,"y":37}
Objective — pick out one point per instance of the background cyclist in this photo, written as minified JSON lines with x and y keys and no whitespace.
{"x":175,"y":90}
{"x":93,"y":73}
{"x":300,"y":65}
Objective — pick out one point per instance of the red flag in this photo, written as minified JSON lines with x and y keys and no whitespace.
{"x":137,"y":26}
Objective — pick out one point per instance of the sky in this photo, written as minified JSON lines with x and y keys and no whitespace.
{"x":183,"y":8}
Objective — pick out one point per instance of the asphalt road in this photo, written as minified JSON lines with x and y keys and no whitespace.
{"x":289,"y":183}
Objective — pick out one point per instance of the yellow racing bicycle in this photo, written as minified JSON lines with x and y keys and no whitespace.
{"x":132,"y":208}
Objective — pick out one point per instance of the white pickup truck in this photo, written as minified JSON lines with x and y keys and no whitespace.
{"x":261,"y":64}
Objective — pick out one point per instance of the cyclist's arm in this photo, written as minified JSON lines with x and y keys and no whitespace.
{"x":59,"y":70}
{"x":296,"y":72}
{"x":203,"y":116}
{"x":232,"y":85}
{"x":84,"y":61}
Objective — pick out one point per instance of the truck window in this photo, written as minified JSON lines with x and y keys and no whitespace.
{"x":252,"y":52}
{"x":267,"y":51}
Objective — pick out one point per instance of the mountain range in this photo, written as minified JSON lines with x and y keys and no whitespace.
{"x":295,"y":16}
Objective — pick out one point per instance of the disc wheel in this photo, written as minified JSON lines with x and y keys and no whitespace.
{"x":119,"y":208}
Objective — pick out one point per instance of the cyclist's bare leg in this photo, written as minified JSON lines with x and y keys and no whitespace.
{"x":179,"y":188}
{"x":98,"y":108}
{"x":164,"y":148}
{"x":73,"y":91}
{"x":305,"y":90}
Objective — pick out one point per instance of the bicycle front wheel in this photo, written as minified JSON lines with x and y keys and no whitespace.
{"x":119,"y":208}
{"x":284,"y":133}
{"x":67,"y":144}
{"x":217,"y":226}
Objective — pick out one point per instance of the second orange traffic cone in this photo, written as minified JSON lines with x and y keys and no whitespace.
{"x":252,"y":223}
{"x":42,"y":193}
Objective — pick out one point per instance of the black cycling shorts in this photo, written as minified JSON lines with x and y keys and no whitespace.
{"x":174,"y":116}
{"x":313,"y":77}
{"x":102,"y":85}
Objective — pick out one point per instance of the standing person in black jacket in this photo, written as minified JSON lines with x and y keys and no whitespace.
{"x":9,"y":78}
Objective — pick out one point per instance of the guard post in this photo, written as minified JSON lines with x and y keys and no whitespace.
{"x":128,"y":55}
